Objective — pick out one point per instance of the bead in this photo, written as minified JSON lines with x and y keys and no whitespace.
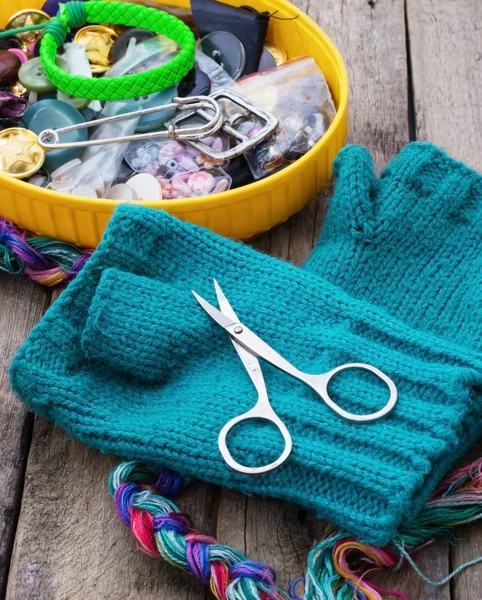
{"x":32,"y":75}
{"x":9,"y":67}
{"x":201,"y":183}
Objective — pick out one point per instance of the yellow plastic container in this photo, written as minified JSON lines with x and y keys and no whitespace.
{"x":240,"y":213}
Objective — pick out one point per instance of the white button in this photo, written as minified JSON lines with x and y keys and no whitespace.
{"x":146,"y":187}
{"x":123,"y":192}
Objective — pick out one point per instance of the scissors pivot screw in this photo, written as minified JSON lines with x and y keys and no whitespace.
{"x":238,"y":329}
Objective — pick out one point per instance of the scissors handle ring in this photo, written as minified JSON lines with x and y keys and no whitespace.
{"x":258,"y":412}
{"x":389,"y":406}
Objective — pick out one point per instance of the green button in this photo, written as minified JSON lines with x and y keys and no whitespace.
{"x":32,"y":75}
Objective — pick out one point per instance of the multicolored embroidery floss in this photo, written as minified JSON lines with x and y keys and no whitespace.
{"x":45,"y":260}
{"x":337,"y":565}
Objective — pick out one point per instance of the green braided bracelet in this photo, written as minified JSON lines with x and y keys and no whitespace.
{"x":76,"y":14}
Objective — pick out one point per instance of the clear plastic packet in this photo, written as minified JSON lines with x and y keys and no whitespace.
{"x":99,"y":165}
{"x":296,"y":93}
{"x":190,"y":184}
{"x":159,"y":157}
{"x":150,"y":53}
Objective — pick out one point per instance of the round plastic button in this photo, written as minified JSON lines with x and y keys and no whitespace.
{"x":226,"y":50}
{"x":123,"y":192}
{"x":146,"y":187}
{"x":32,"y":75}
{"x":9,"y":67}
{"x":19,"y":54}
{"x":196,"y":83}
{"x":148,"y":122}
{"x":54,"y":114}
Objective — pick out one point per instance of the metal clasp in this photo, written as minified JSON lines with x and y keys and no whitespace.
{"x":268,"y":122}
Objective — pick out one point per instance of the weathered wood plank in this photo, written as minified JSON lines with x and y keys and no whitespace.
{"x":447,"y":83}
{"x":447,"y":75}
{"x":70,"y":543}
{"x":22,"y":303}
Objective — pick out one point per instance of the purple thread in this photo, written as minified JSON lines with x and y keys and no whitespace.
{"x":197,"y":554}
{"x":173,"y":522}
{"x":123,"y":501}
{"x":169,"y":483}
{"x":254,"y":570}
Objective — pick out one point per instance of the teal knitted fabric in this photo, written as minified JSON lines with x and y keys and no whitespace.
{"x":410,"y":242}
{"x":127,"y":362}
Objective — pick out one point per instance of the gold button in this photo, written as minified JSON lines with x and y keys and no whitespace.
{"x":278,"y":53}
{"x":20,"y":154}
{"x":28,"y":18}
{"x":98,"y":40}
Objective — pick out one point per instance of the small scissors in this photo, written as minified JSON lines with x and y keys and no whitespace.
{"x":249,"y":347}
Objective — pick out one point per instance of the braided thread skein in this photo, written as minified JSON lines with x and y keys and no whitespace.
{"x":337,"y":565}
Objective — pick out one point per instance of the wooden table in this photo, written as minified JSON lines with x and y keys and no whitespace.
{"x":415,"y":69}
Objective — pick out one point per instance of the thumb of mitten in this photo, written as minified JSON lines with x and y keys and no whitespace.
{"x":351,"y":212}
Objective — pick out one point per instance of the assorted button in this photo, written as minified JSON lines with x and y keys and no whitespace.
{"x":225,"y":49}
{"x":28,"y":18}
{"x":196,"y":83}
{"x":20,"y":154}
{"x":54,"y":114}
{"x":9,"y":67}
{"x":32,"y":75}
{"x":99,"y":41}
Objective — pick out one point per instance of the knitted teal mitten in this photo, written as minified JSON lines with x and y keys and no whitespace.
{"x":410,"y":242}
{"x":128,"y":362}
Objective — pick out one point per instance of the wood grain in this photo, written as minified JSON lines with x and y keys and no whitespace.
{"x":445,"y":42}
{"x":22,"y":304}
{"x":446,"y":50}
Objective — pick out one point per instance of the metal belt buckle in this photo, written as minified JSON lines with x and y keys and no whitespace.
{"x":267,"y":121}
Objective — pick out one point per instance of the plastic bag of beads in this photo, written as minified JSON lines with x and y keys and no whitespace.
{"x":159,"y":157}
{"x":296,"y":93}
{"x":189,"y":184}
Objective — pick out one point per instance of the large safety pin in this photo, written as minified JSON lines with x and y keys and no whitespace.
{"x":49,"y":139}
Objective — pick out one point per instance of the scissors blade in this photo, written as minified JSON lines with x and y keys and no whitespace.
{"x":224,"y":304}
{"x":213,"y":312}
{"x":250,"y":362}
